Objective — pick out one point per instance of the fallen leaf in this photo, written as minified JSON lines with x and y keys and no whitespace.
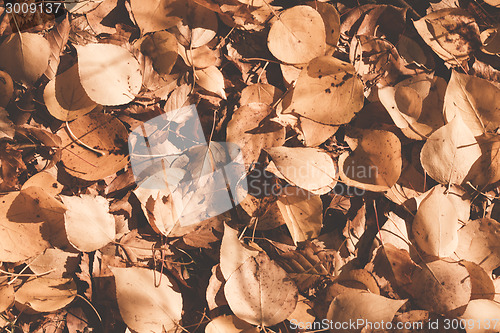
{"x":333,"y":86}
{"x":309,"y":168}
{"x":478,"y":243}
{"x":197,"y":27}
{"x":57,"y":263}
{"x":476,"y":100}
{"x":161,"y":47}
{"x":212,"y":80}
{"x":298,"y":35}
{"x":25,"y":56}
{"x":450,"y":152}
{"x":435,"y":226}
{"x":94,"y":146}
{"x":155,"y":15}
{"x":375,"y":162}
{"x":260,"y":292}
{"x":441,"y":286}
{"x":109,"y":73}
{"x":65,"y":97}
{"x":89,"y":225}
{"x":19,"y":222}
{"x":452,"y":33}
{"x":144,"y":306}
{"x":229,"y":324}
{"x":303,"y":213}
{"x":484,"y":314}
{"x":233,"y":253}
{"x":354,"y":305}
{"x":57,"y":38}
{"x":250,"y":129}
{"x":415,"y":105}
{"x":44,"y":294}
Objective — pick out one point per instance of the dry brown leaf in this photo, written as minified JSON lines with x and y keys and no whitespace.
{"x":297,"y":36}
{"x":375,"y":162}
{"x":482,"y":284}
{"x":57,"y":37}
{"x":43,"y":294}
{"x":333,"y":86}
{"x":478,"y":243}
{"x":484,"y":314}
{"x":6,"y":296}
{"x":144,"y":306}
{"x":88,"y":223}
{"x":57,"y":263}
{"x":201,"y":57}
{"x":20,"y":228}
{"x":476,"y":100}
{"x":303,"y":213}
{"x":233,"y":253}
{"x":354,"y":305}
{"x":252,"y":131}
{"x":6,"y":126}
{"x":309,"y":168}
{"x":415,"y":105}
{"x":435,"y":226}
{"x":109,"y":73}
{"x":155,"y":15}
{"x":260,"y":292}
{"x":494,"y":3}
{"x":260,"y":93}
{"x":65,"y":97}
{"x":331,"y":19}
{"x":96,"y":146}
{"x":215,"y":289}
{"x":198,"y":26}
{"x":450,"y":152}
{"x":313,"y":134}
{"x":230,"y":324}
{"x":490,"y":38}
{"x":25,"y":56}
{"x":212,"y":80}
{"x":374,"y":20}
{"x":452,"y":33}
{"x":44,"y":180}
{"x":442,"y":286}
{"x":375,"y":60}
{"x":6,"y":89}
{"x":161,"y":47}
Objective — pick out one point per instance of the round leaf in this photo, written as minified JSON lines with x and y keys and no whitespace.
{"x":327,"y":91}
{"x":89,"y":225}
{"x":442,"y":286}
{"x":45,"y":294}
{"x":435,"y":226}
{"x":450,"y":152}
{"x":350,"y":306}
{"x":109,"y":73}
{"x":25,"y":56}
{"x":260,"y":292}
{"x":375,"y":164}
{"x":298,"y":35}
{"x":96,"y":146}
{"x":309,"y":168}
{"x":251,"y":131}
{"x":65,"y":97}
{"x":143,"y":306}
